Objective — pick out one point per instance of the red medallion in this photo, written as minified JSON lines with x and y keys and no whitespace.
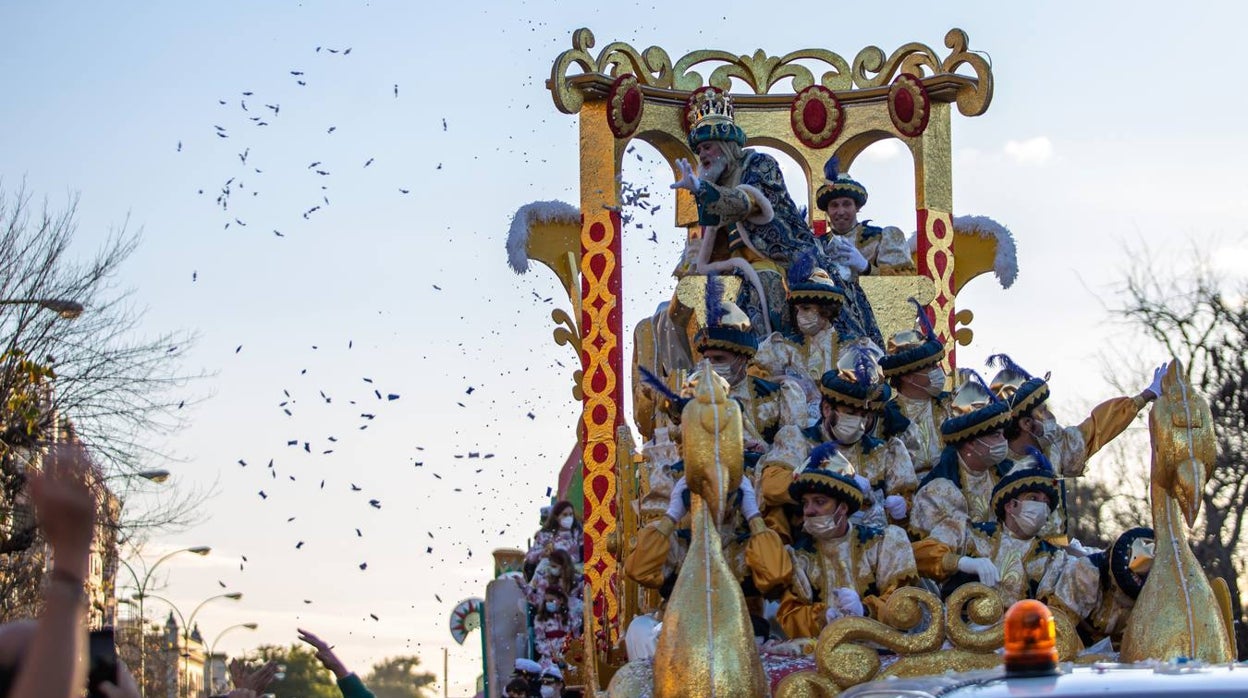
{"x":625,"y":106}
{"x":908,"y":105}
{"x":816,"y":116}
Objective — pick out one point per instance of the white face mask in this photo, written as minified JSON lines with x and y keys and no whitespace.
{"x":1030,"y":517}
{"x":997,"y":452}
{"x":810,"y":321}
{"x":552,"y":606}
{"x":1048,"y":432}
{"x":566,"y":522}
{"x":554,"y":571}
{"x":821,"y":526}
{"x":849,"y":428}
{"x":936,"y":381}
{"x":728,"y":371}
{"x":548,"y":692}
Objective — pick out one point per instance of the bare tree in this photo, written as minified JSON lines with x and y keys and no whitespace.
{"x":120,"y":389}
{"x":1201,"y":319}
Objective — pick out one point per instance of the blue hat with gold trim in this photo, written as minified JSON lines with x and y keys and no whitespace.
{"x":727,"y":326}
{"x":836,"y":184}
{"x":710,"y":117}
{"x":829,"y":473}
{"x":1023,"y":480}
{"x":810,"y":284}
{"x":857,"y":381}
{"x":1015,"y":385}
{"x":975,"y":411}
{"x":913,"y":350}
{"x":1130,"y":559}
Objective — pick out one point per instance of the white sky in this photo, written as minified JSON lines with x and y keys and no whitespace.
{"x":1112,"y":124}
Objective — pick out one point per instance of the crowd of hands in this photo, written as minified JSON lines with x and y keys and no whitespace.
{"x":46,"y":658}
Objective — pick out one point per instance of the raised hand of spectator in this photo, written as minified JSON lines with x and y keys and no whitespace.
{"x":325,"y":654}
{"x":65,"y":506}
{"x":243,"y":676}
{"x":126,"y":686}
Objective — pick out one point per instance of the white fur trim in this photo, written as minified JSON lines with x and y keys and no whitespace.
{"x":521,"y":225}
{"x":1005,"y":265}
{"x":765,"y":212}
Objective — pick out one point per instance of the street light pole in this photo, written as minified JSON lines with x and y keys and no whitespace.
{"x":200,"y":550}
{"x":212,"y":648}
{"x":186,"y":632}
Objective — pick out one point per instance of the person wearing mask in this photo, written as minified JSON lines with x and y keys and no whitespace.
{"x":958,"y":491}
{"x":556,"y":572}
{"x":561,"y":531}
{"x":853,"y":416}
{"x":912,"y":366}
{"x":814,"y":303}
{"x":841,"y":568}
{"x":551,"y":627}
{"x":1033,"y":426}
{"x":552,"y":682}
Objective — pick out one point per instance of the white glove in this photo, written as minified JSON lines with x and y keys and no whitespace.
{"x":848,"y":602}
{"x":749,"y":499}
{"x":849,"y":255}
{"x":688,"y":180}
{"x":895,"y":505}
{"x":1155,"y":386}
{"x":676,"y":503}
{"x":1079,"y":549}
{"x":865,"y":485}
{"x":981,"y":567}
{"x":832,"y":614}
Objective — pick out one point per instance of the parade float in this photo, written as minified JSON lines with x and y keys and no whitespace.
{"x":809,"y":105}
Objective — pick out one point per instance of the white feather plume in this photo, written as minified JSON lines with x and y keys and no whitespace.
{"x":522,"y":223}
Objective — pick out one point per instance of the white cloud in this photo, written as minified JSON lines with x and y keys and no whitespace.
{"x":882,"y":151}
{"x":1033,"y":151}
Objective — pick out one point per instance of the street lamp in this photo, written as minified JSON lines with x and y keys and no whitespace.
{"x":189,"y":621}
{"x":212,"y":648}
{"x":142,"y":594}
{"x":66,"y":309}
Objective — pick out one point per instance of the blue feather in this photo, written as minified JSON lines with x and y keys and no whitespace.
{"x":1005,"y":362}
{"x":714,"y":300}
{"x":657,"y":383}
{"x":970,"y":373}
{"x":831,"y":168}
{"x":1042,"y":461}
{"x":821,"y":453}
{"x":928,"y":330}
{"x":802,"y":267}
{"x":862,"y":368}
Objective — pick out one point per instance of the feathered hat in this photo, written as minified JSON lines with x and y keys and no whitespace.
{"x":1023,"y":480}
{"x":710,"y":118}
{"x":727,"y":326}
{"x":913,"y":350}
{"x":856,"y":381}
{"x":837,"y":183}
{"x":810,"y":284}
{"x":975,"y":410}
{"x":1015,"y":385}
{"x":829,"y":473}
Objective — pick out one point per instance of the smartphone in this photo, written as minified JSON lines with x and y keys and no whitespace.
{"x":103,"y":666}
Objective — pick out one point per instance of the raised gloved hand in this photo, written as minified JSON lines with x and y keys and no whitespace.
{"x":981,"y":567}
{"x":848,"y":602}
{"x":1155,"y":386}
{"x":688,"y":179}
{"x":676,"y":503}
{"x":895,"y":505}
{"x":749,"y":500}
{"x":848,"y":254}
{"x":1079,"y":549}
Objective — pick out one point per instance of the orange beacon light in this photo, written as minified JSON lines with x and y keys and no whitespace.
{"x":1030,"y":640}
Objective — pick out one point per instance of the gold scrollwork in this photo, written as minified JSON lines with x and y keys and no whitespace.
{"x":654,"y":68}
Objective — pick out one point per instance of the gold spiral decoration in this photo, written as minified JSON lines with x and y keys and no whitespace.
{"x":982,"y":605}
{"x":870,"y":68}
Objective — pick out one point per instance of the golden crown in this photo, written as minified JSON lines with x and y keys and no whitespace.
{"x":710,"y":107}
